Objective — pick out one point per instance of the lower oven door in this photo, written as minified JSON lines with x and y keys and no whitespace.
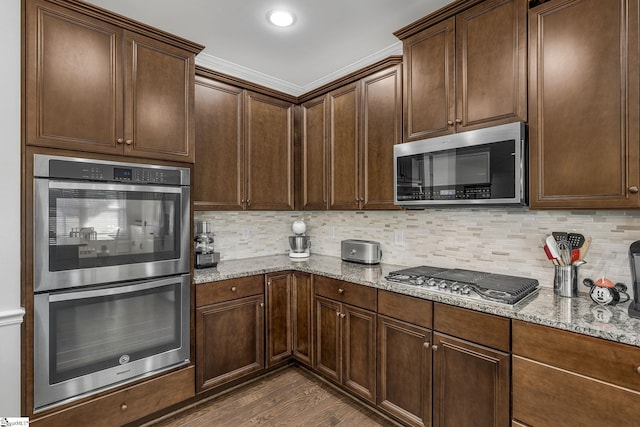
{"x":87,"y":340}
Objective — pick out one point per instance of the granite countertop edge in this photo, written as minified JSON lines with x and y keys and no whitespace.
{"x":578,"y":315}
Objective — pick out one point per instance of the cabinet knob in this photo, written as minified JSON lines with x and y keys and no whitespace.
{"x":450,"y":122}
{"x":248,"y":202}
{"x":458,"y":121}
{"x":633,"y":190}
{"x":338,"y":313}
{"x":233,"y":289}
{"x":120,"y":141}
{"x":342,"y":315}
{"x":241,"y":200}
{"x":123,"y":407}
{"x":262,"y":304}
{"x":341,"y":291}
{"x":129,"y":141}
{"x":434,"y":347}
{"x":426,"y":345}
{"x":638,"y":369}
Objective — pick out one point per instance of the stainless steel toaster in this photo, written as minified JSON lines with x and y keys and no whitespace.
{"x":361,"y":251}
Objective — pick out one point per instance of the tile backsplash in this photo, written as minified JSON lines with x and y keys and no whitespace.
{"x":499,"y":240}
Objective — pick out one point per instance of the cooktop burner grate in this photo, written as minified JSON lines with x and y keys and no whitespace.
{"x":495,"y":287}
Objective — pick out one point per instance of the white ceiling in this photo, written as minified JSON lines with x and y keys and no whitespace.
{"x":331,"y":38}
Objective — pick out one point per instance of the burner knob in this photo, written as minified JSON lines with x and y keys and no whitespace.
{"x":442,"y":284}
{"x":455,"y":287}
{"x":419,"y":281}
{"x":465,"y":290}
{"x":431,"y":282}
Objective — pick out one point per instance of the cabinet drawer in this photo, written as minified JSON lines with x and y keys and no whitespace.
{"x":226,"y":290}
{"x":407,"y":308}
{"x":350,"y":293}
{"x":605,"y":360}
{"x":482,"y":328}
{"x":545,"y":396}
{"x":127,"y":405}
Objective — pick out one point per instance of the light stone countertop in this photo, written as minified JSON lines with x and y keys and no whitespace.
{"x":579,"y":315}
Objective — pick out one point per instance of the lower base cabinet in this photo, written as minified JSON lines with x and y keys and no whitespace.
{"x":229,"y":330}
{"x":127,"y":405}
{"x":302,"y":317}
{"x":568,"y":379}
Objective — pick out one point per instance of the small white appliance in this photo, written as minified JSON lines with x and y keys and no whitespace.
{"x":299,"y":243}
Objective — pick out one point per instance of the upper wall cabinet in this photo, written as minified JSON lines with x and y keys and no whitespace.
{"x":584,"y":104}
{"x":97,"y":83}
{"x":466,"y":72}
{"x":347,"y":143}
{"x":244,"y":149}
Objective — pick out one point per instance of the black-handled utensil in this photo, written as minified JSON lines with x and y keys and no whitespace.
{"x":576,"y":240}
{"x":559,"y":236}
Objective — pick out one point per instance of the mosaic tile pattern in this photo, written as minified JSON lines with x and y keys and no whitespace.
{"x":499,"y":240}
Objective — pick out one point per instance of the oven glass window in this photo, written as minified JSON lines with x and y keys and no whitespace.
{"x":92,"y":334}
{"x":97,"y":228}
{"x":478,"y":172}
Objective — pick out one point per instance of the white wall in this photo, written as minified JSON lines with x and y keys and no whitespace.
{"x":10,"y":310}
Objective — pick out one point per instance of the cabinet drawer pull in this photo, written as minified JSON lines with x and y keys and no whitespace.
{"x":233,"y":289}
{"x":120,"y":141}
{"x":633,"y":190}
{"x":341,"y":291}
{"x":434,"y":347}
{"x":123,"y":407}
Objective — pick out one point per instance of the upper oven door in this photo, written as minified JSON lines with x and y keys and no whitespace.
{"x":87,"y":233}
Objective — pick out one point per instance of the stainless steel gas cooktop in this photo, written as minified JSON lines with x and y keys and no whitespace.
{"x":467,"y":283}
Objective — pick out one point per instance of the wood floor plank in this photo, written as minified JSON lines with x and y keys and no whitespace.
{"x":291,"y":397}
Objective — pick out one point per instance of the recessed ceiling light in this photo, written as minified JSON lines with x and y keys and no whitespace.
{"x":281,"y":18}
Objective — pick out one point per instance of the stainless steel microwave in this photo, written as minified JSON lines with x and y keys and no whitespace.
{"x":485,"y":166}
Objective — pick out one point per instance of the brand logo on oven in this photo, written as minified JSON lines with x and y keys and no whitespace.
{"x":124,"y":359}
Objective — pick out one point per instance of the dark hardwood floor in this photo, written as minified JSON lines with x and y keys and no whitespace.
{"x":290,"y":397}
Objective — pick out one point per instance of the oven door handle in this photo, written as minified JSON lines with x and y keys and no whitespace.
{"x":75,"y":185}
{"x":117,"y":290}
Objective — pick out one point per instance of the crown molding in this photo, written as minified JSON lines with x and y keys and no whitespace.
{"x":11,"y":317}
{"x":251,"y":75}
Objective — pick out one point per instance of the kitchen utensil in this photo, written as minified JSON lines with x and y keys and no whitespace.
{"x":553,"y":248}
{"x":564,"y":248}
{"x":576,"y":240}
{"x":575,"y":255}
{"x":585,"y":247}
{"x":549,"y":256}
{"x":559,"y":236}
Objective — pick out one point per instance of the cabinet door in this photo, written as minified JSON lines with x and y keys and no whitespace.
{"x":470,"y":382}
{"x":278,"y":317}
{"x":219,"y":170}
{"x":584,"y":110}
{"x":381,"y":129}
{"x":269,"y":152}
{"x":491,"y":77}
{"x":302,"y":313}
{"x":159,"y":86}
{"x":328,"y":343}
{"x":404,"y":371}
{"x":229,"y":340}
{"x":429,"y":99}
{"x":73,"y":80}
{"x":359,"y":351}
{"x":343,"y":147}
{"x":314,"y":154}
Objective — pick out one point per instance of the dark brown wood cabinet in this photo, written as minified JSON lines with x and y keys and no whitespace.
{"x":278,"y":318}
{"x":470,"y":382}
{"x":244,"y":149}
{"x":302,"y":317}
{"x":229,"y":330}
{"x":405,"y":357}
{"x":106,"y":85}
{"x":347,"y":143}
{"x":466,"y":72}
{"x":584,"y":114}
{"x":346,"y":335}
{"x":552,"y":367}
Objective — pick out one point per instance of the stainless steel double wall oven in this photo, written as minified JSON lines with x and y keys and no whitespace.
{"x":111,"y":274}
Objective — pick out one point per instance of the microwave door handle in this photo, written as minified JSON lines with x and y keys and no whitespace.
{"x":109,"y":291}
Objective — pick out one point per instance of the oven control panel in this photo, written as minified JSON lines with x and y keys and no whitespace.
{"x":117,"y":172}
